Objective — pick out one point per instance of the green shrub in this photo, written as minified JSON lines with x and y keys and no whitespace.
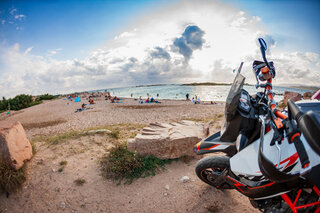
{"x":11,"y":180}
{"x":35,"y":103}
{"x":80,"y":181}
{"x":45,"y":97}
{"x":121,"y":164}
{"x":19,"y":102}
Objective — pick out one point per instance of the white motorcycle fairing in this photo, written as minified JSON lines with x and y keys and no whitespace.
{"x":245,"y":163}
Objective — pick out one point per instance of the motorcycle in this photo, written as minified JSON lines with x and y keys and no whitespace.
{"x":272,"y":157}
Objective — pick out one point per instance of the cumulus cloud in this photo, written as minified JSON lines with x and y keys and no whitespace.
{"x":297,"y":67}
{"x":159,"y":52}
{"x":191,"y":41}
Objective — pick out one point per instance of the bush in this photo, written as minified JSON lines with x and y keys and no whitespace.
{"x":45,"y":97}
{"x":121,"y":164}
{"x":22,"y":101}
{"x":19,"y":102}
{"x":11,"y":180}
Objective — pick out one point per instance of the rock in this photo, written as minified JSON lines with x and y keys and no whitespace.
{"x":63,"y":205}
{"x":184,"y":179}
{"x":167,"y":187}
{"x":167,"y":141}
{"x":291,"y":95}
{"x":99,"y":131}
{"x":191,"y":186}
{"x":307,"y":95}
{"x":15,"y":148}
{"x":165,"y":194}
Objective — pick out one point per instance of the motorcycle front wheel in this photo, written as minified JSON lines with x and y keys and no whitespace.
{"x":210,"y":168}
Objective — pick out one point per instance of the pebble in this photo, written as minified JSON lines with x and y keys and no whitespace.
{"x":165,"y":194}
{"x":63,"y":205}
{"x":167,"y":187}
{"x":191,"y":186}
{"x":184,"y":179}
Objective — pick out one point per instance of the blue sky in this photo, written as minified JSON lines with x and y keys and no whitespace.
{"x":50,"y":41}
{"x":75,"y":26}
{"x":294,"y":23}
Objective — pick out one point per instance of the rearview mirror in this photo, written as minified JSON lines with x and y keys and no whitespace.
{"x":263,"y":44}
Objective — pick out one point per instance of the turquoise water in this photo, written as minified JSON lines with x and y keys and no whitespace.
{"x":178,"y":92}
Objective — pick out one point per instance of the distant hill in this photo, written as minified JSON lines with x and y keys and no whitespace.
{"x":314,"y":88}
{"x":206,"y":84}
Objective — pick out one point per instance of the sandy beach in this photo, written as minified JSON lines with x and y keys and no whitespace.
{"x":49,"y":190}
{"x":58,"y":116}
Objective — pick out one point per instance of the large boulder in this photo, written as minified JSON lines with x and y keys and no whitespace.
{"x":172,"y":140}
{"x":307,"y":95}
{"x":15,"y":148}
{"x":291,"y":95}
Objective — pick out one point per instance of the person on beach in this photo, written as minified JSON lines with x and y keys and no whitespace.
{"x":193,"y":100}
{"x":140,"y":100}
{"x":198,"y":100}
{"x":152,"y":100}
{"x":157,"y":95}
{"x":148,"y":100}
{"x":187,"y":96}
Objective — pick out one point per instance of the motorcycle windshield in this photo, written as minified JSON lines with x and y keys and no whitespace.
{"x":233,"y":96}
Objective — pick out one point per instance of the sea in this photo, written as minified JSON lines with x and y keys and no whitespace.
{"x":179,"y":91}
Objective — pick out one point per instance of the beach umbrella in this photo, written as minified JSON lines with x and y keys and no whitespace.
{"x":77,"y":99}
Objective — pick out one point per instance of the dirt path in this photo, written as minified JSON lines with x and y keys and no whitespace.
{"x":49,"y":190}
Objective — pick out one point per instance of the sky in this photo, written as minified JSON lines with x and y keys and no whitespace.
{"x":53,"y":46}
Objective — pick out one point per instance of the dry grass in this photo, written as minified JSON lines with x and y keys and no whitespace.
{"x":11,"y":180}
{"x":146,"y":106}
{"x":28,"y":126}
{"x":215,"y":118}
{"x":118,"y":132}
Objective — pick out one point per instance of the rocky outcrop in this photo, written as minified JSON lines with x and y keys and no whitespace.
{"x":291,"y":95}
{"x":172,"y":140}
{"x":15,"y":148}
{"x":307,"y":95}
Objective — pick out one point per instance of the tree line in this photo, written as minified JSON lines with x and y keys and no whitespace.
{"x":22,"y":101}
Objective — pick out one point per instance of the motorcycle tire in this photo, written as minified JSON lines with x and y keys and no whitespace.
{"x":209,"y":168}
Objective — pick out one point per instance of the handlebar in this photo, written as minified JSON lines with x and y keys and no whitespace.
{"x":303,"y":156}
